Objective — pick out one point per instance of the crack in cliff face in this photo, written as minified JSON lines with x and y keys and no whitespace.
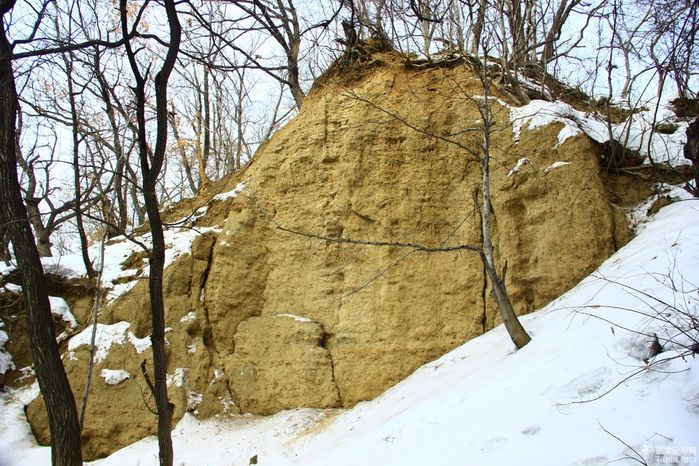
{"x":325,"y":123}
{"x":207,"y":333}
{"x":325,"y":343}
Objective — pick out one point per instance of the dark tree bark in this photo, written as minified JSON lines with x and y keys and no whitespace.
{"x":150,"y":170}
{"x":5,"y":244}
{"x":43,"y":232}
{"x":60,"y":404}
{"x":691,"y":152}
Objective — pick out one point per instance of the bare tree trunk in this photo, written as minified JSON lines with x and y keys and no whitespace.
{"x":456,"y":28}
{"x":207,"y":127}
{"x":5,"y":244}
{"x":60,"y":404}
{"x":172,"y":118}
{"x":293,"y":64}
{"x":31,"y":204}
{"x":157,"y":259}
{"x":43,"y":234}
{"x":201,"y":131}
{"x":150,"y":170}
{"x":427,"y":26}
{"x":517,"y":333}
{"x":95,"y":310}
{"x":138,"y":208}
{"x":120,"y":191}
{"x":514,"y":327}
{"x":560,"y":18}
{"x":691,"y":152}
{"x":478,"y":27}
{"x":76,"y":169}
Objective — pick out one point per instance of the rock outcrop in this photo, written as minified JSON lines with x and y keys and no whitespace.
{"x":267,"y":315}
{"x":275,"y":362}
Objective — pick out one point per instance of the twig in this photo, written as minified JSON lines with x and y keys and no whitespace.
{"x":93,"y":337}
{"x":629,"y":377}
{"x":147,"y":377}
{"x":392,"y":244}
{"x":640,"y":458}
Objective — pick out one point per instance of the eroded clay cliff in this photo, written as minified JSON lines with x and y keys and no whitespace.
{"x":265,"y":315}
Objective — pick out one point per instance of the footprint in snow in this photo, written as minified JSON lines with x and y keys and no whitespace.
{"x":531,"y":430}
{"x":494,"y":444}
{"x":587,"y":385}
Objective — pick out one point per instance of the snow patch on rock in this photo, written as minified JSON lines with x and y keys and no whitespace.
{"x":106,"y":336}
{"x":115,"y":376}
{"x":240,"y":187}
{"x":634,"y":133}
{"x":518,"y":166}
{"x":295,"y":317}
{"x":555,"y":165}
{"x":60,"y":308}
{"x":6,"y":363}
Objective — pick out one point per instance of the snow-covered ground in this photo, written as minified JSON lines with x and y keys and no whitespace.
{"x":578,"y":394}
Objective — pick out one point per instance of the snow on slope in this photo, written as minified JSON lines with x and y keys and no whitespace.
{"x":634,"y":132}
{"x":484,"y":403}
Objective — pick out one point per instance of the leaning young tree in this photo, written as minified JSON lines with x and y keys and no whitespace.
{"x":151,"y":165}
{"x":482,"y":155}
{"x":497,"y":280}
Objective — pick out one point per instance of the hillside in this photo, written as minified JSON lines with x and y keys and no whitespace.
{"x":547,"y":404}
{"x":272,"y":301}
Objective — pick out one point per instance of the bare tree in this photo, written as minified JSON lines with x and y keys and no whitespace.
{"x":37,"y":190}
{"x":150,"y":170}
{"x":512,"y":324}
{"x":68,"y":62}
{"x":58,"y":397}
{"x":279,"y":20}
{"x":208,"y":122}
{"x":674,"y":47}
{"x":628,"y":33}
{"x":118,"y":146}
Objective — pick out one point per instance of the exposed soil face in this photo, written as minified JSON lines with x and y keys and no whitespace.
{"x":267,"y":315}
{"x":367,"y":160}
